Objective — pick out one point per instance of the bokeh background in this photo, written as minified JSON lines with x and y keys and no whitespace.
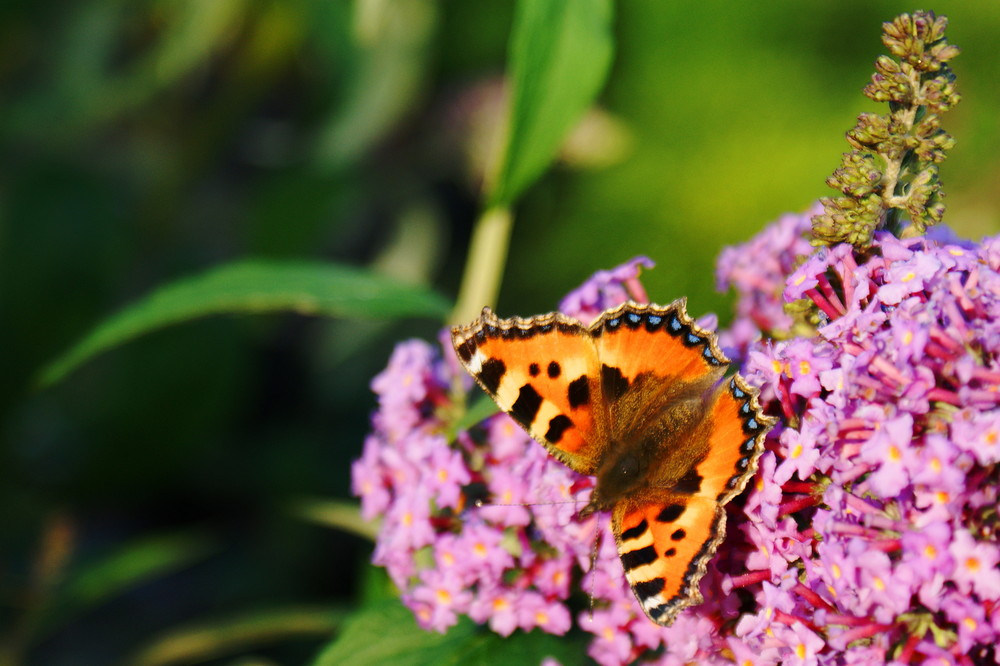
{"x":153,"y":489}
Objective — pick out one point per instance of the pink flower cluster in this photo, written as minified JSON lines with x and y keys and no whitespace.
{"x":757,"y":271}
{"x":869,"y":535}
{"x":446,"y":558}
{"x":873,"y":523}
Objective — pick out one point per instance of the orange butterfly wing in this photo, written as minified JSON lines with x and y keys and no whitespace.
{"x":540,"y":371}
{"x":635,"y":338}
{"x":665,"y":548}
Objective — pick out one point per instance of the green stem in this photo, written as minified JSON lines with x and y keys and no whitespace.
{"x":485,"y":263}
{"x":893,"y":199}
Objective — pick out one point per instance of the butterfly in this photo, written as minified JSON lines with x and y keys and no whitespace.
{"x":640,"y":400}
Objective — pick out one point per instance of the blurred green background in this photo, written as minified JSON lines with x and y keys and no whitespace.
{"x":147,"y":141}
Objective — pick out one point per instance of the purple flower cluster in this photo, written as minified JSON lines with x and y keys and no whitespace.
{"x":448,"y":559}
{"x":872,"y":529}
{"x":757,"y":271}
{"x":868,"y":536}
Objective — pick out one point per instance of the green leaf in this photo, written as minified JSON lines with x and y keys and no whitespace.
{"x":559,"y":56}
{"x":374,"y":586}
{"x":253,"y":287}
{"x":205,"y":641}
{"x":389,"y":54}
{"x":481,"y":408}
{"x":130,"y":565}
{"x":337,"y":514}
{"x":387,"y":634}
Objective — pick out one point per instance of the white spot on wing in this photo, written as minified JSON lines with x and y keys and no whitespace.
{"x":476,"y":362}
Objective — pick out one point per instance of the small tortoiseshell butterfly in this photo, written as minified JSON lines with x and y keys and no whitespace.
{"x":639,"y":400}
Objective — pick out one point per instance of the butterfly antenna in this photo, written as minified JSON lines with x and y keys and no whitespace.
{"x":480,"y":503}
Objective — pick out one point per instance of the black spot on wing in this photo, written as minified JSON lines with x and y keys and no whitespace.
{"x":638,"y":558}
{"x":557,"y":426}
{"x":669,"y":552}
{"x":656,"y":611}
{"x":649,"y":588}
{"x":492,"y":372}
{"x":554,"y":370}
{"x":678,"y":535}
{"x":525,"y":408}
{"x":613,"y":383}
{"x":466,"y":350}
{"x":579,"y":392}
{"x":635,"y":532}
{"x":533,"y":370}
{"x":670,"y":513}
{"x":690,"y":483}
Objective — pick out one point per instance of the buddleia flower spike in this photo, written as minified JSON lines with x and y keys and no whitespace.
{"x":892,"y":169}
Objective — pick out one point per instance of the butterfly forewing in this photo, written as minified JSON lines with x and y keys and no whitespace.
{"x":735,"y":442}
{"x":540,"y":372}
{"x":633,"y":339}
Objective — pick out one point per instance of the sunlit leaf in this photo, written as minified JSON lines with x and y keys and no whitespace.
{"x":254,"y":287}
{"x":560,"y":53}
{"x":387,"y":634}
{"x":205,"y":641}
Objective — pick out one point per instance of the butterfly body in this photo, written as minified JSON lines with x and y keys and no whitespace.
{"x":651,"y":441}
{"x":639,"y":400}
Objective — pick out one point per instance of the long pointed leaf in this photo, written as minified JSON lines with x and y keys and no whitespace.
{"x":198,"y":643}
{"x":560,"y":53}
{"x":130,"y":565}
{"x":254,"y":287}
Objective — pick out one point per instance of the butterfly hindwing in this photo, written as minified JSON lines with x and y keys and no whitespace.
{"x":540,"y":371}
{"x":665,"y":547}
{"x":667,"y":539}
